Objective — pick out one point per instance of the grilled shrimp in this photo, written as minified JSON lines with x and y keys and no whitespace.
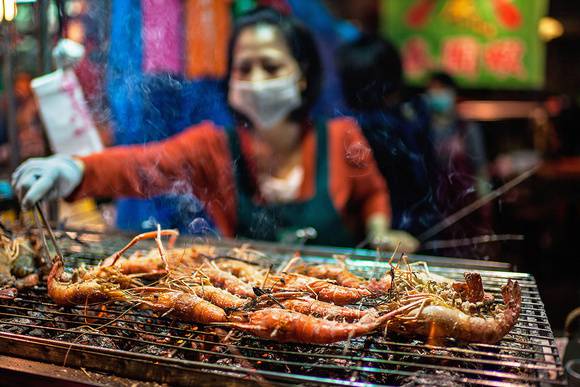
{"x":99,"y":286}
{"x":288,"y":326}
{"x":225,"y":280}
{"x":338,"y":273}
{"x":446,"y":321}
{"x":151,"y":264}
{"x":324,"y":290}
{"x":249,"y":273}
{"x":343,"y":277}
{"x":184,"y":306}
{"x":219,"y":297}
{"x":102,"y":283}
{"x":310,"y":306}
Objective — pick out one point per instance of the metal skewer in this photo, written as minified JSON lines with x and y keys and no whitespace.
{"x":40,"y":213}
{"x":42,"y":237}
{"x":462,"y":213}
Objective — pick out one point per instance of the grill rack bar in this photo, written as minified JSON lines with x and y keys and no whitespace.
{"x":434,"y":347}
{"x":512,"y":363}
{"x":309,"y":378}
{"x":529,"y":349}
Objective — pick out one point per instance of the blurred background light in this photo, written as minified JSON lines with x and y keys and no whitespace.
{"x":550,"y":28}
{"x":7,"y":10}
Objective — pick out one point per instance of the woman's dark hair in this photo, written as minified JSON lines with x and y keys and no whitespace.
{"x":370,"y":70}
{"x":444,"y":79}
{"x":302,"y":46}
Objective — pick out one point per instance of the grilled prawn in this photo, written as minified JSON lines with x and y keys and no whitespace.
{"x":249,"y":273}
{"x":217,"y":296}
{"x":225,"y":280}
{"x":100,"y":284}
{"x":323,"y":309}
{"x":85,"y":288}
{"x":343,"y":277}
{"x":338,"y":273}
{"x":322,"y":289}
{"x":288,"y":326}
{"x":184,"y":306}
{"x":436,"y":317}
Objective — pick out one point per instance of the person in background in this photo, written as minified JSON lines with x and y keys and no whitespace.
{"x":279,"y":170}
{"x":460,"y":155}
{"x":453,"y":137}
{"x":396,"y":129}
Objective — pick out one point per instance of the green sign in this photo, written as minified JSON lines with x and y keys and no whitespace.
{"x":482,"y":43}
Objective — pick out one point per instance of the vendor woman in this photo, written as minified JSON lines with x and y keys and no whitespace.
{"x":278,"y":171}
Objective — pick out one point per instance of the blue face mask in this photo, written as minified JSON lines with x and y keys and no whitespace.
{"x":441,"y":101}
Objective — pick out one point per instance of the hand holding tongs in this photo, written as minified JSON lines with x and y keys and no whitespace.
{"x":39,"y":213}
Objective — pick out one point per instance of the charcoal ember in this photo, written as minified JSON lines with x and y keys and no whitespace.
{"x":230,"y":362}
{"x":431,"y":378}
{"x":218,"y":349}
{"x":344,"y":363}
{"x":61,"y":321}
{"x":155,"y":338}
{"x":78,"y":337}
{"x":16,"y":325}
{"x":159,"y":351}
{"x":203,"y":357}
{"x":122,"y":329}
{"x":36,"y":315}
{"x":37,"y":333}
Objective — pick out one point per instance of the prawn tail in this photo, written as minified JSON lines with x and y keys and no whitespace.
{"x":512,"y":294}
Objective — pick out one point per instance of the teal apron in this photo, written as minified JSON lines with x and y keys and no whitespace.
{"x":275,"y":222}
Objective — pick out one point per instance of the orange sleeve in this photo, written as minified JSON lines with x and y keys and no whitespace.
{"x":187,"y":162}
{"x":355,"y":179}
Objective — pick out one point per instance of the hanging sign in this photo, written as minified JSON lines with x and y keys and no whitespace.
{"x":482,"y":43}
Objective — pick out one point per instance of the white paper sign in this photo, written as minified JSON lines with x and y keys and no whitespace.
{"x":69,"y":126}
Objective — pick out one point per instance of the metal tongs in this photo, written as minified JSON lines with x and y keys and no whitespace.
{"x":39,"y":213}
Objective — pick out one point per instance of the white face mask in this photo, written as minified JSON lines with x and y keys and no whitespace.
{"x":268,"y":102}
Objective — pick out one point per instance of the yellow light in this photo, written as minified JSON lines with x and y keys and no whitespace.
{"x":7,"y":10}
{"x":550,"y":28}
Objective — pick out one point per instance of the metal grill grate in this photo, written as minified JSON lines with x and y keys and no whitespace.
{"x":135,"y":343}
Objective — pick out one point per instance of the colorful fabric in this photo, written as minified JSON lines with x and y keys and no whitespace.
{"x":150,"y":99}
{"x":207,"y":30}
{"x":162,"y":36}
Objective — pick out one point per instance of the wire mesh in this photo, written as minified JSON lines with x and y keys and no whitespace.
{"x":527,"y":355}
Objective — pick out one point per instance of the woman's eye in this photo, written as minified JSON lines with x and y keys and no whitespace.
{"x":271,"y":69}
{"x":244,"y":69}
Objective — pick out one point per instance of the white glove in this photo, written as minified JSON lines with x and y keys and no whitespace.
{"x":379,"y":234}
{"x":390,"y":239}
{"x":46,"y":178}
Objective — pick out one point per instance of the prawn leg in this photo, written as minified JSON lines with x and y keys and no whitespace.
{"x":110,"y":261}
